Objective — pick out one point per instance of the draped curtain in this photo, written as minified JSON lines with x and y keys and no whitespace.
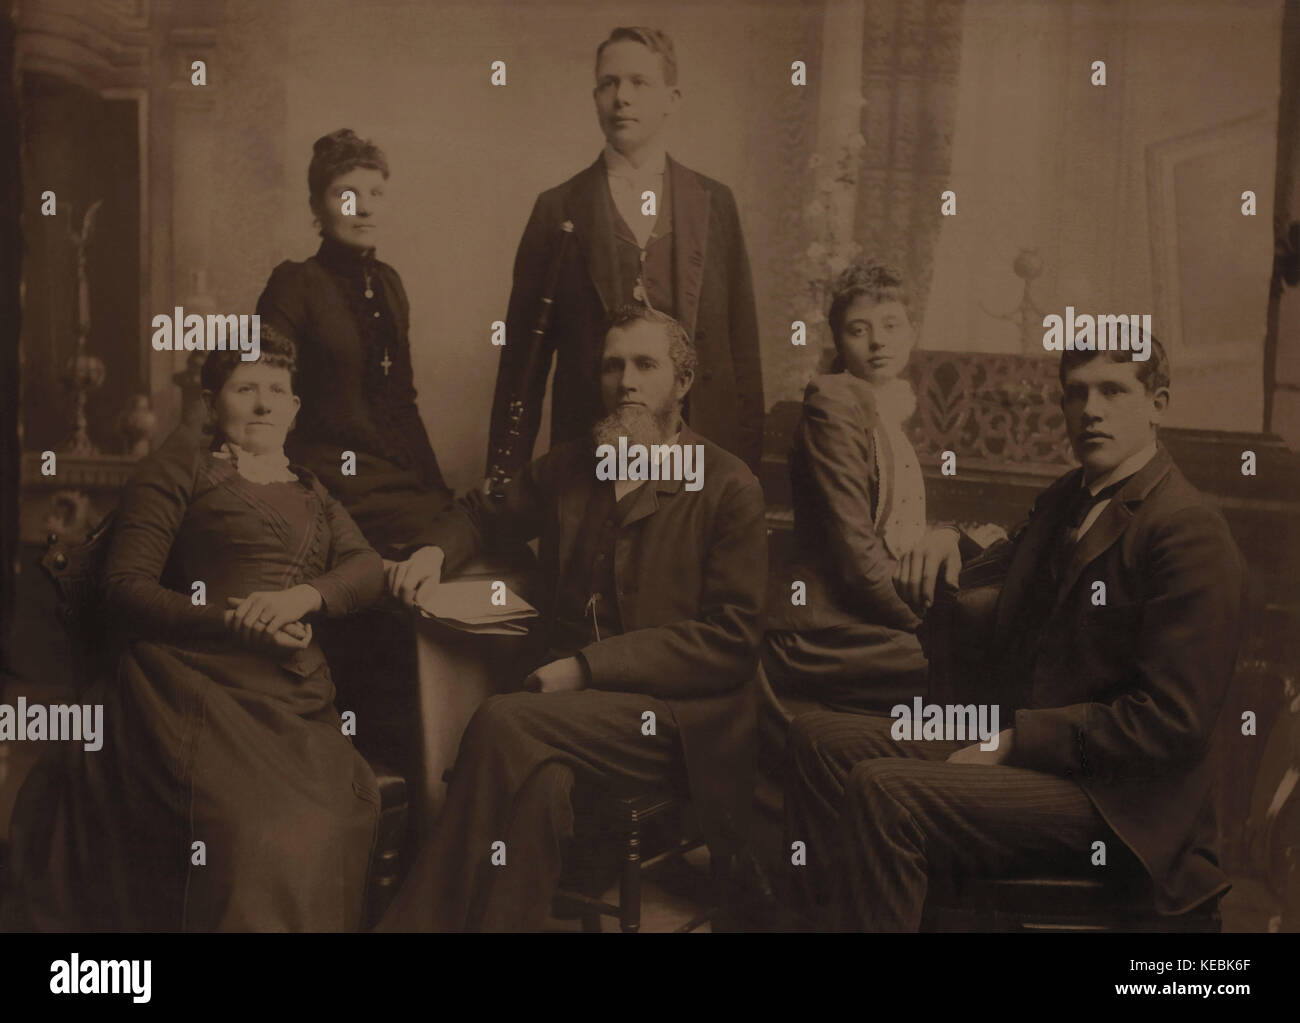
{"x":911,"y":52}
{"x":885,"y":110}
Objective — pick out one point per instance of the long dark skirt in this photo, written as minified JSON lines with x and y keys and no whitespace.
{"x":225,"y":798}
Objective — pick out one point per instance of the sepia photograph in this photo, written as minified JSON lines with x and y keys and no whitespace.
{"x":783,"y":467}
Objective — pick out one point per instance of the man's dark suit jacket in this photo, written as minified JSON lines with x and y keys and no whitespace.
{"x":713,"y":293}
{"x":1124,"y":697}
{"x":689,"y":571}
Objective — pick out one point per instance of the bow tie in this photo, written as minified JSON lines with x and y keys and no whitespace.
{"x":1085,"y":501}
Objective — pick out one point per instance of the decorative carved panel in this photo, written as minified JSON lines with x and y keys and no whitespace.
{"x":996,"y":408}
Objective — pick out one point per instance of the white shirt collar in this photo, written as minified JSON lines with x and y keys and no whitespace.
{"x":618,"y":165}
{"x":1134,"y":463}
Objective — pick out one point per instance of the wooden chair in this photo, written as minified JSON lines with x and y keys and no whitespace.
{"x":1061,"y":903}
{"x":646,"y":829}
{"x":76,"y":571}
{"x":386,"y":859}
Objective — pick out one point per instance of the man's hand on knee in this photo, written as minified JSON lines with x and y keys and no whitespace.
{"x":563,"y":676}
{"x":974,"y":755}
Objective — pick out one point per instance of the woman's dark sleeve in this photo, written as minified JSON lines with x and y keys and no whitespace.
{"x":355,"y":578}
{"x":835,"y":437}
{"x":153,"y":506}
{"x":404,"y":416}
{"x":283,"y":303}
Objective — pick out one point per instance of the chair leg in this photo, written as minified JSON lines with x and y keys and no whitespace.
{"x":629,"y":898}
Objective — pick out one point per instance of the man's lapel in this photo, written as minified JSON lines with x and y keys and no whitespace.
{"x":690,"y":209}
{"x":574,"y":495}
{"x":1112,"y":522}
{"x":590,"y":207}
{"x":645,"y":500}
{"x":580,"y":483}
{"x":647,"y":497}
{"x":1034,"y":550}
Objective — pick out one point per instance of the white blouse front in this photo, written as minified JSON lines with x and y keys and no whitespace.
{"x":904,"y":494}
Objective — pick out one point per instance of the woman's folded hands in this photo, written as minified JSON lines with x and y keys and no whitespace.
{"x":272,"y":619}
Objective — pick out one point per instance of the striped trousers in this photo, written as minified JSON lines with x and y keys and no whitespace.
{"x":881,"y":819}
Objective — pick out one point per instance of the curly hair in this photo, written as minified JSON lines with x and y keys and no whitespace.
{"x":275,"y":350}
{"x":336,"y":154}
{"x":681,"y":349}
{"x":872,"y":278}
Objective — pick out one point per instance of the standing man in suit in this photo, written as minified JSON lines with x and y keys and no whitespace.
{"x":651,"y":634}
{"x":647,"y":230}
{"x":1115,"y":691}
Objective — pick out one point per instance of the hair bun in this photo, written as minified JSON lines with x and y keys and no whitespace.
{"x":335,"y":140}
{"x":337,"y":153}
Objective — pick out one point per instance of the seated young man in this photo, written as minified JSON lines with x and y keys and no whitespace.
{"x":1111,"y":694}
{"x":653,"y":632}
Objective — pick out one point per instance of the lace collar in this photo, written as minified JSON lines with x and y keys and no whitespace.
{"x":272,"y":467}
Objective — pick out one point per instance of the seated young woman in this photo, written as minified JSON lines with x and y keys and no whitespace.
{"x":225,"y":796}
{"x":859,"y":508}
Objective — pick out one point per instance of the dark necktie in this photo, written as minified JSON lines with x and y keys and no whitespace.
{"x":1076,"y":513}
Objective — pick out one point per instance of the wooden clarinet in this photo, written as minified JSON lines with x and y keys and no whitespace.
{"x":517,"y":411}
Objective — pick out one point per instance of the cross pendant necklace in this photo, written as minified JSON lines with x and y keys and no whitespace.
{"x":386,"y":362}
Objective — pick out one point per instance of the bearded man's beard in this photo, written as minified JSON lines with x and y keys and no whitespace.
{"x":640,"y":425}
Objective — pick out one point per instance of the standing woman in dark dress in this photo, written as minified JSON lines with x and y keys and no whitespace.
{"x":225,"y":796}
{"x":350,"y":318}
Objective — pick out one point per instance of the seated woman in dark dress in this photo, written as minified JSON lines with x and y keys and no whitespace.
{"x":859,"y":507}
{"x":225,"y":796}
{"x":350,"y":318}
